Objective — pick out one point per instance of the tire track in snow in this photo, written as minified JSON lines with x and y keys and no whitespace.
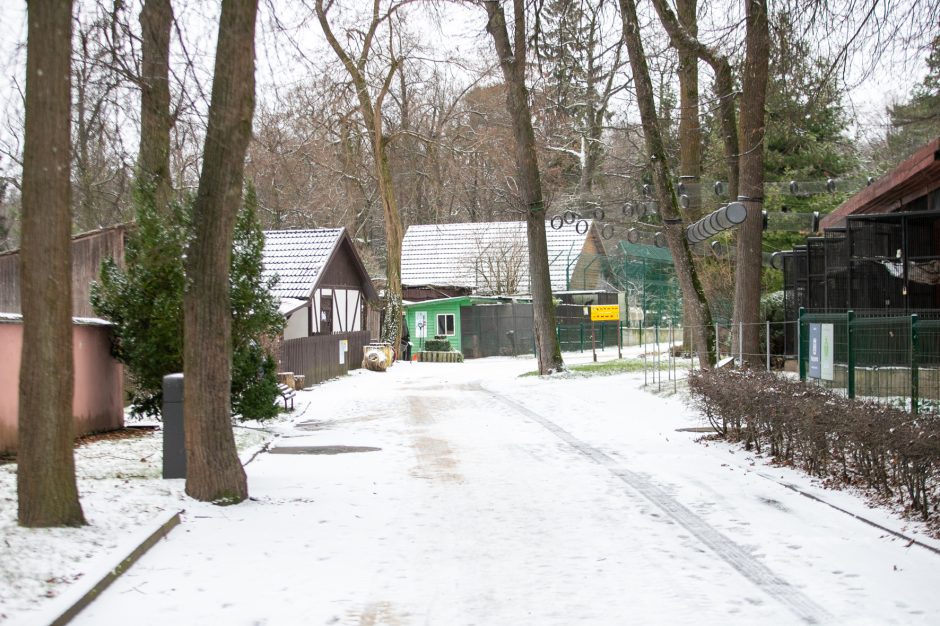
{"x":723,"y":547}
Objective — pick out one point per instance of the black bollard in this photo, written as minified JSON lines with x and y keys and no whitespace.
{"x":174,"y":441}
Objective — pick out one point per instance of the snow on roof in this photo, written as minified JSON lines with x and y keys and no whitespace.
{"x":468,"y":254}
{"x":297,"y":257}
{"x":289,"y":305}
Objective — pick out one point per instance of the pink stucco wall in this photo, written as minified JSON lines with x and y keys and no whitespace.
{"x":97,"y":403}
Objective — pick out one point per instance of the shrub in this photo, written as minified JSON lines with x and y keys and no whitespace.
{"x":145,"y":304}
{"x":440,"y":343}
{"x":872,"y":445}
{"x":772,"y":310}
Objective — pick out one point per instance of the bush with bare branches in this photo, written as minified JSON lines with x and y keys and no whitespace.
{"x":884,"y":449}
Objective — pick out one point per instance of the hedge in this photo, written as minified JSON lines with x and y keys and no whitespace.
{"x":862,"y":443}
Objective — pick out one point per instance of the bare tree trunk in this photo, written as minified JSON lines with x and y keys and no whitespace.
{"x":153,"y":160}
{"x":690,"y":132}
{"x":591,"y":153}
{"x":513,"y":63}
{"x":692,"y":293}
{"x":686,"y":42}
{"x":371,"y":111}
{"x":753,"y":98}
{"x":214,"y":472}
{"x":47,"y":494}
{"x":391,"y":328}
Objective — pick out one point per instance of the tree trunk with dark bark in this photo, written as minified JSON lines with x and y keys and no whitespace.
{"x":690,"y":132}
{"x":512,"y":60}
{"x":47,"y":494}
{"x":153,"y":160}
{"x":371,"y":111}
{"x":213,"y":470}
{"x":687,"y":43}
{"x":693,"y":295}
{"x":747,"y":276}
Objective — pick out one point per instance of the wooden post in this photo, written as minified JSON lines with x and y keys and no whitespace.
{"x":619,"y":340}
{"x":593,"y":346}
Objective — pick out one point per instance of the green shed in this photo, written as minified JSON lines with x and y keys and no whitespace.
{"x":439,"y":317}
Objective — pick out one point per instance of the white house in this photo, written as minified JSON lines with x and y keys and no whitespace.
{"x":323,"y":286}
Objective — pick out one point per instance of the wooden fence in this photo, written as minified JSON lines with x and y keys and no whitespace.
{"x":319,"y":357}
{"x":88,"y":251}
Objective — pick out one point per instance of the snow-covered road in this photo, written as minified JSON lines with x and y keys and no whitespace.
{"x":467,"y":495}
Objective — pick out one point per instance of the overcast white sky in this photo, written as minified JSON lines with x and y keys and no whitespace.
{"x":456,"y":30}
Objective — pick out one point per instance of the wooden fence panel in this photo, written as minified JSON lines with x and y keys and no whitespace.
{"x":89,"y":250}
{"x":317,"y":357}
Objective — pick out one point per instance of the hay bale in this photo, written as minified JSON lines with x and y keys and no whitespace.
{"x":375,"y":360}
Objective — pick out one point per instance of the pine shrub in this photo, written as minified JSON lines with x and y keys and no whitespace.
{"x":145,"y":304}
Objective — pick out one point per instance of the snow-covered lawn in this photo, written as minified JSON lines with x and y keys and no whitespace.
{"x":121,"y":491}
{"x":452,"y":494}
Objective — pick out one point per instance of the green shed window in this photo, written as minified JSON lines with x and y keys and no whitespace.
{"x":445,"y":324}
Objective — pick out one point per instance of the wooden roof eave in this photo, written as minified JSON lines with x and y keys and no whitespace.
{"x":914,"y":177}
{"x":368,"y":288}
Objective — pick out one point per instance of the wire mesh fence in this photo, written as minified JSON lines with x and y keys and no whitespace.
{"x":890,"y":359}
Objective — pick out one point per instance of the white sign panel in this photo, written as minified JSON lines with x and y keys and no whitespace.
{"x":826,"y":352}
{"x":343,"y":349}
{"x":421,"y":324}
{"x":815,"y":351}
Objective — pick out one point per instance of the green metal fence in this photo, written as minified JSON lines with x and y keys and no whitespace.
{"x":892,"y":358}
{"x":577,"y":337}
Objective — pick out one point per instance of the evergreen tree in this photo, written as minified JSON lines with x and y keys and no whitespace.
{"x":145,"y":303}
{"x":806,"y":120}
{"x":806,"y":132}
{"x":916,"y":121}
{"x":254,"y":315}
{"x":578,"y":68}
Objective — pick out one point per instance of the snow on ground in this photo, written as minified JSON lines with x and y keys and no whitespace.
{"x":462,"y":494}
{"x":120,"y":490}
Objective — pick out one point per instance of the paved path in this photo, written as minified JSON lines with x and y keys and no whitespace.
{"x":451,"y":495}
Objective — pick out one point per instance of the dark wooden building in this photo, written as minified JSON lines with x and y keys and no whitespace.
{"x":322,"y":283}
{"x":89,"y":250}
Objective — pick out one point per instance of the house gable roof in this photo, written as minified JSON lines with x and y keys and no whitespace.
{"x":299,"y":257}
{"x":458,"y":255}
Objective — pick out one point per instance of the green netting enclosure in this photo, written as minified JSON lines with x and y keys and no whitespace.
{"x":647,"y":277}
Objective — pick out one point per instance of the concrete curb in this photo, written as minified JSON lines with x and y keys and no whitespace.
{"x":98,"y":587}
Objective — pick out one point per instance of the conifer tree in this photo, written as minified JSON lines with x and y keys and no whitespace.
{"x":145,"y":303}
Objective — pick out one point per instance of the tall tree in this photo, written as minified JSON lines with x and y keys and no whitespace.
{"x":683,"y":38}
{"x":690,"y":131}
{"x":748,"y":265}
{"x":214,"y":472}
{"x":580,"y":66}
{"x":512,"y":61}
{"x":47,"y":494}
{"x":153,"y":157}
{"x":100,"y":171}
{"x":917,"y":121}
{"x":370,"y":107}
{"x":693,"y":294}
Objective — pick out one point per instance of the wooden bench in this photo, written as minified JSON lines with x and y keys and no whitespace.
{"x":286,"y":394}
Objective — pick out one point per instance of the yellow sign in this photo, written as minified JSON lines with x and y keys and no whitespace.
{"x":605,"y":313}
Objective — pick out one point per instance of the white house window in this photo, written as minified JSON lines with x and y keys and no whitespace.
{"x":445,"y":324}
